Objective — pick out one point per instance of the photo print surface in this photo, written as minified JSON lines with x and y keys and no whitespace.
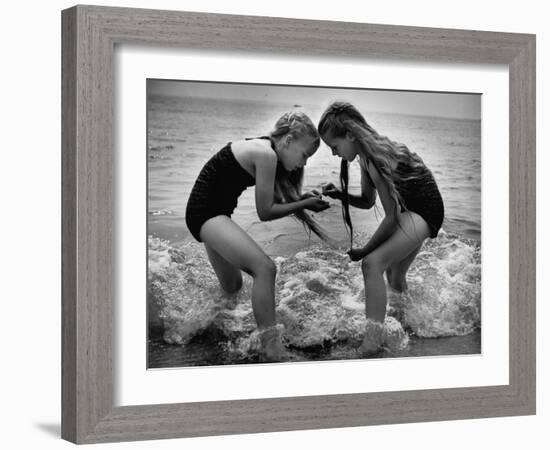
{"x":256,"y":254}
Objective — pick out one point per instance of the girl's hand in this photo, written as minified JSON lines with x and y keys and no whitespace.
{"x":316,"y":204}
{"x":332,"y":191}
{"x":357,"y":254}
{"x":309,"y":194}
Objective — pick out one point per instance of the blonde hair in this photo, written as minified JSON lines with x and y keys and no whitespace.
{"x":298,"y":125}
{"x":288,"y":185}
{"x":339,"y":119}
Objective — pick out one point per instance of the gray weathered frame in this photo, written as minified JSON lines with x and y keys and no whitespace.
{"x":89,"y":37}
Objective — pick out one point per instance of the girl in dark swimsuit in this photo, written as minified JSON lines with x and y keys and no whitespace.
{"x":412,"y":204}
{"x":275,"y":164}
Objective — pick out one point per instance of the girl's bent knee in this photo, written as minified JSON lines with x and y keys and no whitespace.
{"x":233,"y":286}
{"x":398,"y":284}
{"x":371,"y":264}
{"x":266,"y":268}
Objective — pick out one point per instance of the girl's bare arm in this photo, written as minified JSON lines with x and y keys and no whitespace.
{"x":388,"y":225}
{"x":266,"y":165}
{"x":366,"y":200}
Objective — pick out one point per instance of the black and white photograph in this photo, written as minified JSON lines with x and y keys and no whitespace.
{"x":275,"y":225}
{"x":297,"y":223}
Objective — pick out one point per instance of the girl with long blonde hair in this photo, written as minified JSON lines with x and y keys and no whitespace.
{"x":413,"y":207}
{"x":275,"y":165}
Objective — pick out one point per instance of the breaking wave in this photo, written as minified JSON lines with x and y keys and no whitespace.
{"x":319,"y":298}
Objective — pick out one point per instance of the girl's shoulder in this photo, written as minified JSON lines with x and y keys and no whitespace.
{"x":253,"y":145}
{"x":260,"y":148}
{"x":367,"y":165}
{"x":254,"y":150}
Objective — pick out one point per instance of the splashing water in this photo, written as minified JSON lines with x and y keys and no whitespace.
{"x":319,"y":300}
{"x":444,"y":297}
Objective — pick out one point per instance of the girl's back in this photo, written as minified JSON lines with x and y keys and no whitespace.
{"x":414,"y":183}
{"x":217,"y":189}
{"x":247,"y":152}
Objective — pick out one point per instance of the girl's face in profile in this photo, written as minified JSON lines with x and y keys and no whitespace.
{"x":295,"y":152}
{"x":345,"y":147}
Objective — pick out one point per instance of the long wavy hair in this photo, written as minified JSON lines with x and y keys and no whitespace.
{"x":288,"y":184}
{"x":395,"y":163}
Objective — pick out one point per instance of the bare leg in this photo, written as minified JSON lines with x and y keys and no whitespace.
{"x":397,"y":272}
{"x":230,"y":277}
{"x":231,"y":250}
{"x":404,"y":243}
{"x":236,"y":247}
{"x":407,"y":238}
{"x":375,"y":290}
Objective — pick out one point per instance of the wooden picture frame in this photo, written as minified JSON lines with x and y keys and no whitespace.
{"x":90,"y":34}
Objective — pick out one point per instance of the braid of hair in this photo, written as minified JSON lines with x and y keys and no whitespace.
{"x":344,"y":181}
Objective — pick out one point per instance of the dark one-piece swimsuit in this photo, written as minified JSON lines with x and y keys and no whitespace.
{"x":420,"y":195}
{"x":217,"y":189}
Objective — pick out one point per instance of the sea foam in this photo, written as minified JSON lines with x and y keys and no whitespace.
{"x":319,"y":296}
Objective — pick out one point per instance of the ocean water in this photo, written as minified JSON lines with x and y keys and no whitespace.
{"x":320,"y":295}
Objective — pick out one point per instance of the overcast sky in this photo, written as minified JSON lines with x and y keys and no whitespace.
{"x":463,"y":106}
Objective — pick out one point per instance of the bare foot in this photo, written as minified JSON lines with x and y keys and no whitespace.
{"x":369,"y":348}
{"x":272,"y":348}
{"x":373,"y":340}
